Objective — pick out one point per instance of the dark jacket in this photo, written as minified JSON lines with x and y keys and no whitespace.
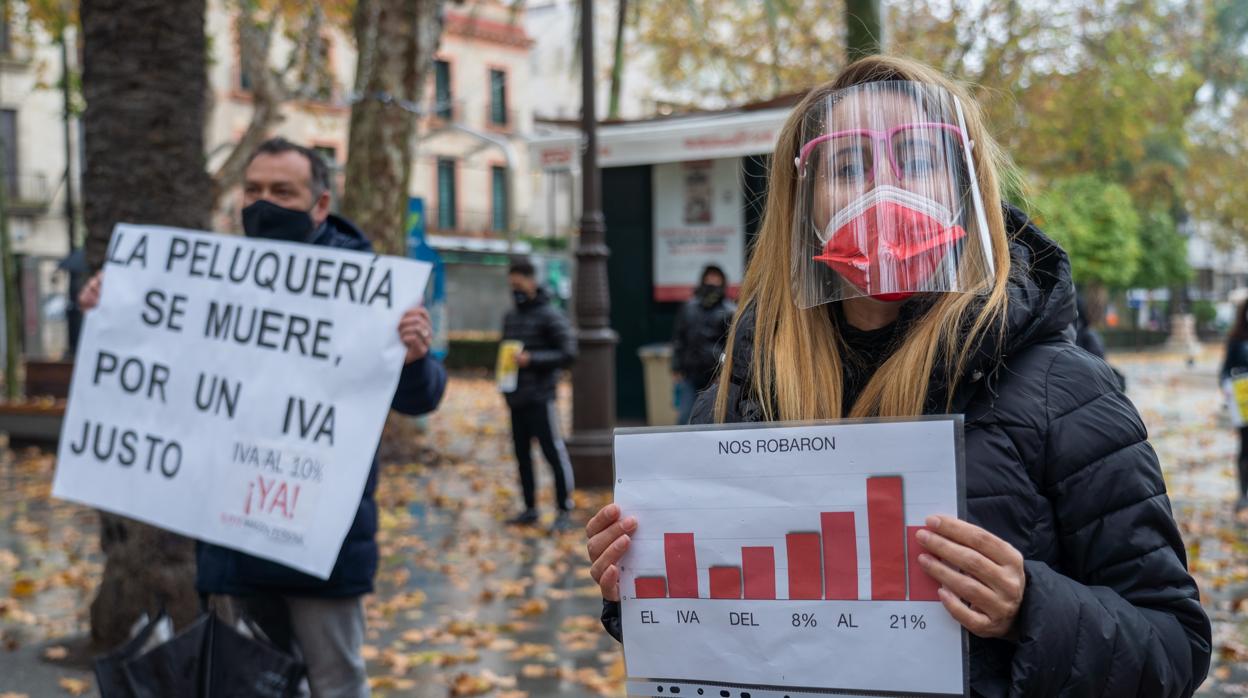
{"x":1058,"y":464}
{"x":1236,"y":359}
{"x":550,"y":342}
{"x":698,"y":339}
{"x":227,"y":571}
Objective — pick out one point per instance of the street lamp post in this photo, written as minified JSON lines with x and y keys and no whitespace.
{"x":593,"y":376}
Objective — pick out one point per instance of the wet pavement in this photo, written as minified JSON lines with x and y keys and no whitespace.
{"x":467,"y":606}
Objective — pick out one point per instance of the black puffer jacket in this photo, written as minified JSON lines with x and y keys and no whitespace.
{"x":550,"y":342}
{"x":1057,"y":464}
{"x":1236,"y":360}
{"x":698,"y":339}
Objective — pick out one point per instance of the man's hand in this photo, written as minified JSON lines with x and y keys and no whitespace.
{"x":523,"y":359}
{"x":89,"y":296}
{"x":416,"y":331}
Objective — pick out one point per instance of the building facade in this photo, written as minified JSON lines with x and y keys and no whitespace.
{"x":470,"y":161}
{"x":35,"y":151}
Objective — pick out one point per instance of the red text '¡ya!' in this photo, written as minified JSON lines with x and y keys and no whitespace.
{"x":271,"y":496}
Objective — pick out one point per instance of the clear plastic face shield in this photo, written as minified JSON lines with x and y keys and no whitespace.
{"x":887,"y":204}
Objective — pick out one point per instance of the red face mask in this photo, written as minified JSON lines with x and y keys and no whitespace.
{"x":890,"y":242}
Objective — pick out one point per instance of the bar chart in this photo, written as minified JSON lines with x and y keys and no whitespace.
{"x":762,"y":552}
{"x":823,"y":564}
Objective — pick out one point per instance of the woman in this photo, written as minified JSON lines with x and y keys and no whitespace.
{"x":1235,"y":363}
{"x":890,"y":280}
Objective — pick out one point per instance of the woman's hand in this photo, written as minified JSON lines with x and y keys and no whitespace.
{"x":608,"y":541}
{"x":981,"y":576}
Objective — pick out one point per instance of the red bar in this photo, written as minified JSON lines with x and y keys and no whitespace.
{"x":682,"y":566}
{"x":840,"y":556}
{"x":760,"y":572}
{"x":650,"y":587}
{"x":887,"y":528}
{"x":922,"y":587}
{"x":805,"y":565}
{"x":725,"y":582}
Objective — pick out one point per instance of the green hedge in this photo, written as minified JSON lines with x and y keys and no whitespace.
{"x":472,"y":353}
{"x":1128,"y":338}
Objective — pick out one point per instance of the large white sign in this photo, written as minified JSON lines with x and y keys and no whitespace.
{"x":782,"y":561}
{"x":698,"y":220}
{"x":234,"y":390}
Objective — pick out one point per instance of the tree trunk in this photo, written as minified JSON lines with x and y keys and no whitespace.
{"x":145,"y":85}
{"x":1095,"y":300}
{"x":12,"y":324}
{"x":395,"y":40}
{"x":617,"y":63}
{"x":267,"y":95}
{"x":863,"y":28}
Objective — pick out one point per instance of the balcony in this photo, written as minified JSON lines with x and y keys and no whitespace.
{"x":27,"y":194}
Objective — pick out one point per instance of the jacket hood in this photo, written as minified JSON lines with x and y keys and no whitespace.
{"x":1042,"y":295}
{"x":336,"y":225}
{"x":1041,"y":307}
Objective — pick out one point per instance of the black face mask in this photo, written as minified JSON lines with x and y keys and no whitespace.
{"x":710,"y":294}
{"x":520,"y":297}
{"x":267,"y":220}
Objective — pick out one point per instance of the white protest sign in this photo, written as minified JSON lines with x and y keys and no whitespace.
{"x":762,"y":553}
{"x":234,"y":390}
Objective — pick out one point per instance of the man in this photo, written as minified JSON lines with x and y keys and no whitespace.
{"x":548,"y":345}
{"x":701,"y":326}
{"x":286,"y":197}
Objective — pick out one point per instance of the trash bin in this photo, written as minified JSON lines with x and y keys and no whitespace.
{"x":656,"y":362}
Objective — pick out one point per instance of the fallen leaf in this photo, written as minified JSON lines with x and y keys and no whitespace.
{"x":533,"y":671}
{"x":75,"y":687}
{"x":469,"y":685}
{"x":533,"y":607}
{"x":55,"y":653}
{"x":22,"y":588}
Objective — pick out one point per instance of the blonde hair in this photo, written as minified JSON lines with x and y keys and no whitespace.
{"x":796,"y":368}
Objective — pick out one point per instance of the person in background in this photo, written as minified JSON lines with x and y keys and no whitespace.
{"x":698,"y":340}
{"x":1233,"y":365}
{"x":286,"y":197}
{"x":1087,"y":338}
{"x":549,"y":346}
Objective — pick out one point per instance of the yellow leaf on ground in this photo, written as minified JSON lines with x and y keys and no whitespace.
{"x":55,"y":653}
{"x":75,"y":687}
{"x":533,"y":607}
{"x":22,"y":588}
{"x":469,"y":685}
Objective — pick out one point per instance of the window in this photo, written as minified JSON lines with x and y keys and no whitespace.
{"x":446,"y":194}
{"x":498,"y":98}
{"x":8,"y":132}
{"x":442,"y":90}
{"x":328,"y":153}
{"x":498,"y":177}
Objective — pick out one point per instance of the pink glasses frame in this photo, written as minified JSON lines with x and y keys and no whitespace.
{"x":884,"y":137}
